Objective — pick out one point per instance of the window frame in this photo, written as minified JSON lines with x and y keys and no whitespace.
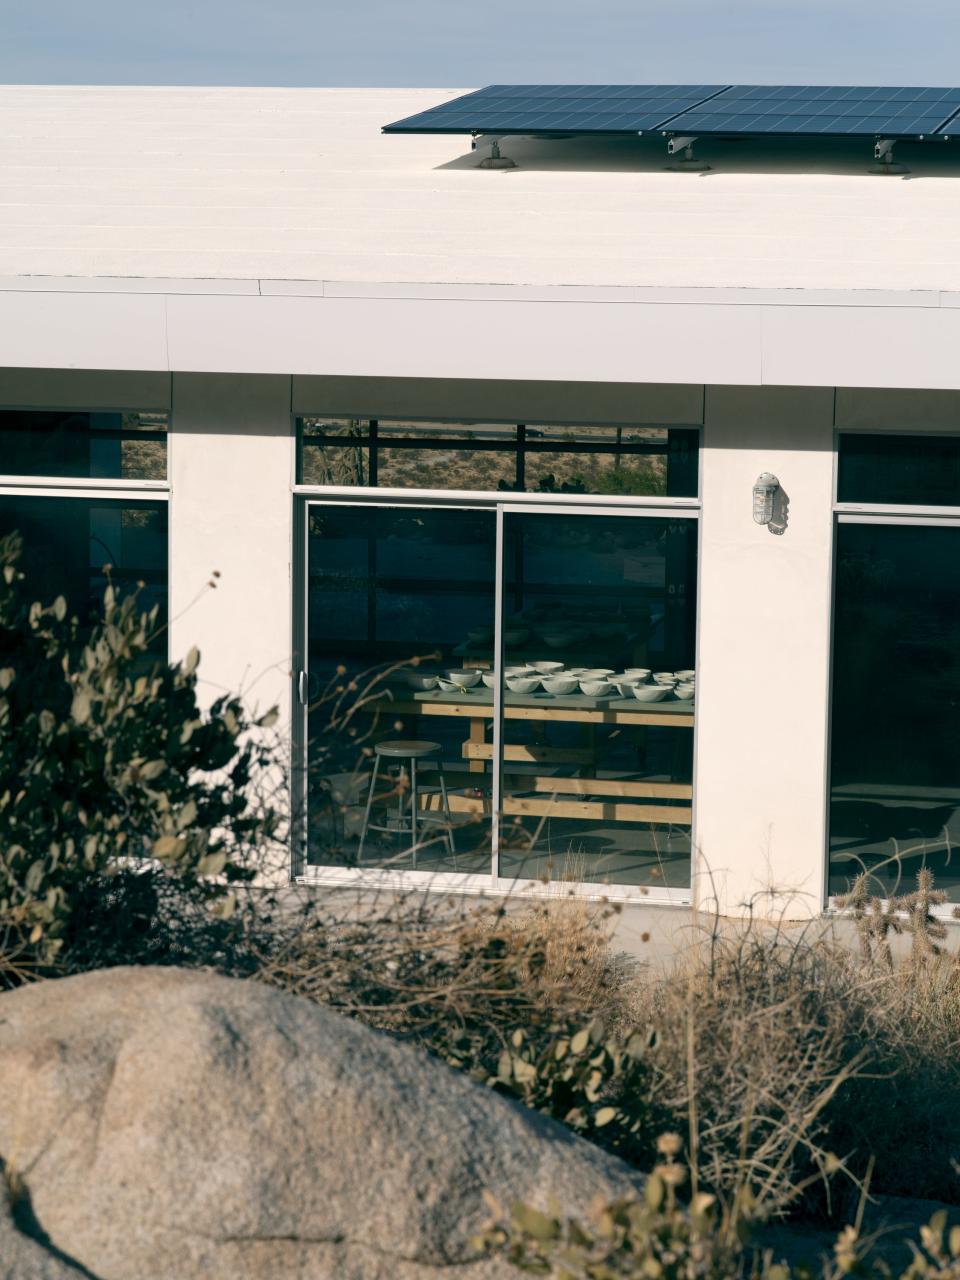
{"x":532,"y":446}
{"x":892,"y":514}
{"x":500,"y":502}
{"x":69,"y":488}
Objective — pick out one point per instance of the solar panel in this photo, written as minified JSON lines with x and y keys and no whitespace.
{"x":746,"y":110}
{"x":821,"y":110}
{"x":570,"y":108}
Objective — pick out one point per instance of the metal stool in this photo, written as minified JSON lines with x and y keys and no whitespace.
{"x":406,"y":750}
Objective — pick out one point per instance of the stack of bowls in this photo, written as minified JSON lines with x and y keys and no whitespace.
{"x":624,"y":682}
{"x":686,"y":684}
{"x":523,"y":683}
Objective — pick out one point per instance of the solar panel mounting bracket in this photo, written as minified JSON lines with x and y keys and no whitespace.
{"x":883,"y":154}
{"x":680,"y":146}
{"x":494,"y":160}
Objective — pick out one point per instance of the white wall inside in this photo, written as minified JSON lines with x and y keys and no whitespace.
{"x":762,"y":692}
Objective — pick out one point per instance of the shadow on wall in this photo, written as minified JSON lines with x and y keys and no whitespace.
{"x":724,"y":156}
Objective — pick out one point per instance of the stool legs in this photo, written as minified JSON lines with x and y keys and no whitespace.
{"x":413,"y":810}
{"x":406,"y":825}
{"x":446,"y":808}
{"x":366,"y":812}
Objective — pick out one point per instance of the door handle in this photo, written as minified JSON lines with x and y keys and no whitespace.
{"x":302,"y":688}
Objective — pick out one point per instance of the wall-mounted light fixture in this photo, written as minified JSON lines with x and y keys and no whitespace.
{"x":764,"y":494}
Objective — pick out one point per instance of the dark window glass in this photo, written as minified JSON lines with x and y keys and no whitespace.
{"x":386,"y":586}
{"x":895,"y":759}
{"x":68,"y":542}
{"x":526,"y":458}
{"x":597,"y":782}
{"x":112,"y":446}
{"x":924,"y":470}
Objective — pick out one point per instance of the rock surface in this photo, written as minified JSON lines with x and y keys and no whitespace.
{"x":173,"y":1125}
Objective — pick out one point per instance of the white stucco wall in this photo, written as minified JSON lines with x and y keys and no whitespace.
{"x":764,"y":626}
{"x":765,"y":601}
{"x":231,"y":468}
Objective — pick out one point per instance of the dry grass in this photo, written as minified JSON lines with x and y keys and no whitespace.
{"x":457,"y":977}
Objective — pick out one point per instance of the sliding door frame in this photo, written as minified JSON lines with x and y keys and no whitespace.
{"x":895,"y":515}
{"x":500,"y":505}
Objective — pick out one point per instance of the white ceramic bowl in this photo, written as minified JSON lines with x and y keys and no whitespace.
{"x":665,"y":677}
{"x":560,"y":685}
{"x":650,"y":692}
{"x":625,"y":687}
{"x":465,"y":679}
{"x":519,"y":671}
{"x":684,"y":691}
{"x":419,"y":680}
{"x":489,"y":678}
{"x":522,"y":684}
{"x":596,"y":673}
{"x":447,"y":686}
{"x":640,"y":672}
{"x":547,"y":668}
{"x":687,"y":677}
{"x":594,"y":688}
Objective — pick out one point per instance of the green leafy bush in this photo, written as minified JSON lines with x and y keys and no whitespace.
{"x":589,"y":1080}
{"x":657,"y":1237}
{"x":105,"y":756}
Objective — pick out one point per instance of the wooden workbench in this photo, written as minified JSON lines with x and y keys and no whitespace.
{"x":544,"y":791}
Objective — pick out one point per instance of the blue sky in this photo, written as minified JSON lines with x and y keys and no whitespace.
{"x":456,"y":43}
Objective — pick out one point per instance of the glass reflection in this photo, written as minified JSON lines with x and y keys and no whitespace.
{"x":372,"y":453}
{"x":895,"y":752}
{"x":120,"y":446}
{"x":68,"y":542}
{"x":597,"y":780}
{"x":901,"y":470}
{"x":393,"y":596}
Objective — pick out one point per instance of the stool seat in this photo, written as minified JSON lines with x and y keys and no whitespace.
{"x":406,"y":751}
{"x":411,"y":748}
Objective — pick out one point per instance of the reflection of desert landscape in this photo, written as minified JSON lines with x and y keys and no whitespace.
{"x":144,"y":459}
{"x":327,"y":461}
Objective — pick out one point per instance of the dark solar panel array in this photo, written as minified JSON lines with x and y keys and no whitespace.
{"x":819,"y":109}
{"x":779,"y":110}
{"x":564,"y":108}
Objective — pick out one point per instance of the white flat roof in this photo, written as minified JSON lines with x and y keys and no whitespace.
{"x":300,"y":185}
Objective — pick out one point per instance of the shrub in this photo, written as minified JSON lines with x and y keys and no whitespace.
{"x":755,"y":1034}
{"x":457,"y":977}
{"x":658,"y":1238}
{"x":105,"y":757}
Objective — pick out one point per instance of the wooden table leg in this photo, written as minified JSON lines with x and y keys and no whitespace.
{"x":478,"y":731}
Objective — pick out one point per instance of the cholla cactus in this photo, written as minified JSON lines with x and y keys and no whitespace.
{"x":875,"y":920}
{"x":925,"y":929}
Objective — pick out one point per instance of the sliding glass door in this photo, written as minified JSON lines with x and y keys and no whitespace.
{"x":393,"y":593}
{"x":895,"y":767}
{"x":597,"y":783}
{"x":501,"y":690}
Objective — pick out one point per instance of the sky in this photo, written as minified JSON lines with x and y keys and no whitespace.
{"x":455,"y":44}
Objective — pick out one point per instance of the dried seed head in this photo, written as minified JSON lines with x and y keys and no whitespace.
{"x":669,"y":1144}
